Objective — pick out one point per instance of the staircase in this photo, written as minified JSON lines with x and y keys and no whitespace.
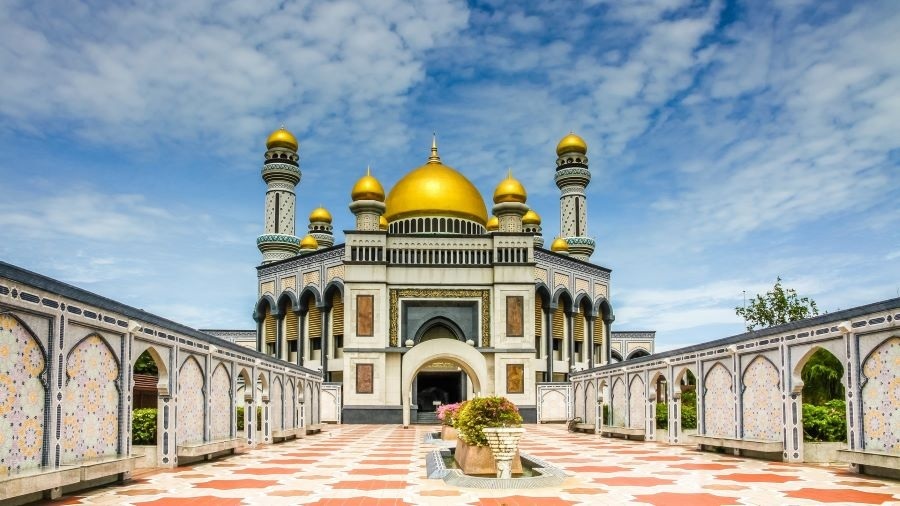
{"x":427,"y":418}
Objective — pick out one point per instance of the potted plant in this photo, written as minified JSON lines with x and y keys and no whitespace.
{"x":447,"y":414}
{"x":473,"y":454}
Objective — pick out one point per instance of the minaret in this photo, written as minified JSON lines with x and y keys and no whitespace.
{"x":281,"y":172}
{"x":509,"y":204}
{"x":368,"y":202}
{"x":320,"y":227}
{"x":572,"y":177}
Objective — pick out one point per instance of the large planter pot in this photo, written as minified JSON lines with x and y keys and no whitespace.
{"x":448,"y":433}
{"x":480,"y":459}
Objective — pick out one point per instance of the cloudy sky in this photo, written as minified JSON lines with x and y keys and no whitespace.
{"x":730,"y":142}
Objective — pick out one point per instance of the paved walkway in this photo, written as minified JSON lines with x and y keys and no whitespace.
{"x":385,"y":465}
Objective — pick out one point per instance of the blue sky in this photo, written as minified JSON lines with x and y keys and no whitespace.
{"x":730,"y":142}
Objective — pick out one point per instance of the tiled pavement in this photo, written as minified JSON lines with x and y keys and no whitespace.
{"x":385,"y":465}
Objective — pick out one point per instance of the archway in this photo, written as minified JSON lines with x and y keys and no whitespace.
{"x":451,"y":351}
{"x":824,"y":415}
{"x":150,"y":380}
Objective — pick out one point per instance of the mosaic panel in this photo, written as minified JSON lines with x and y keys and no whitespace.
{"x":310,"y":278}
{"x":636,"y":412}
{"x":600,"y":290}
{"x":190,"y":403}
{"x":289,"y":283}
{"x":290,"y":405}
{"x":276,"y":405}
{"x":90,"y":405}
{"x":560,"y":280}
{"x":21,"y":398}
{"x":581,"y":285}
{"x":618,"y":403}
{"x":335,"y":272}
{"x":762,"y":401}
{"x":540,"y":274}
{"x":881,"y":398}
{"x":220,"y":404}
{"x":718,"y":403}
{"x":267,"y":287}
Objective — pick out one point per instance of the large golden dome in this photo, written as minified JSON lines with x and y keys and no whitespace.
{"x":367,"y":188}
{"x":510,"y":190}
{"x":320,"y":214}
{"x":281,"y":138}
{"x":435,"y":189}
{"x":571,"y":143}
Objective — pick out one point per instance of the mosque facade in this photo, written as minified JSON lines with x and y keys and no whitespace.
{"x":431,"y":300}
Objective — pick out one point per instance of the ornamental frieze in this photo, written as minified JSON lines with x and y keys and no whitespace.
{"x":420,"y":293}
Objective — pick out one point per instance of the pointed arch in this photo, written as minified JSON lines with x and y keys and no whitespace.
{"x":309,"y":292}
{"x":542,"y":291}
{"x":439,"y":321}
{"x":564,"y":297}
{"x":191,"y":402}
{"x":583,"y":303}
{"x":276,"y":404}
{"x":22,"y":395}
{"x":618,"y":403}
{"x":718,"y":402}
{"x":880,"y":397}
{"x":287,"y":301}
{"x":637,"y":400}
{"x":603,"y":309}
{"x":265,"y":304}
{"x":333,"y":286}
{"x":220,"y":403}
{"x":761,"y":400}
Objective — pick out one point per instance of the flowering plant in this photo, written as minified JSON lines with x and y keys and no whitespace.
{"x":446,"y":413}
{"x":482,"y":412}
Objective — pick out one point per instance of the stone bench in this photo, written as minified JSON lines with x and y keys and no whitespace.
{"x":282,"y":434}
{"x":888,"y":463}
{"x":738,"y":445}
{"x":585,"y":427}
{"x":49,"y":482}
{"x":206,"y":449}
{"x":314,"y":428}
{"x":626,"y":432}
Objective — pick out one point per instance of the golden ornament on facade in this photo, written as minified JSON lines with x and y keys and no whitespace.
{"x":559,"y":244}
{"x":571,"y":143}
{"x":435,"y":189}
{"x":510,"y":190}
{"x":308,"y":243}
{"x":320,"y":214}
{"x":282,"y":138}
{"x":493,"y":224}
{"x":531,"y":218}
{"x":382,"y":223}
{"x":367,"y":188}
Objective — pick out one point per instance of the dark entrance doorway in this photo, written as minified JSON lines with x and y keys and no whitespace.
{"x":446,"y":387}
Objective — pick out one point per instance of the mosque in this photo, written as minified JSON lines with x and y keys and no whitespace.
{"x":431,"y":299}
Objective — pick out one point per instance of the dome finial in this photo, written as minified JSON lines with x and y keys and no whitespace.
{"x":434,"y":158}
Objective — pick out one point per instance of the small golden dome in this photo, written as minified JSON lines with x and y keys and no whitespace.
{"x":281,"y":138}
{"x":559,"y":244}
{"x":320,"y":214}
{"x":309,"y":242}
{"x":510,"y":190}
{"x":531,"y":218}
{"x":367,"y":188}
{"x":571,"y":143}
{"x":493,"y":224}
{"x":435,"y":189}
{"x":382,"y":223}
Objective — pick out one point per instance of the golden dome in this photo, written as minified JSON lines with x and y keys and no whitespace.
{"x":320,"y":214}
{"x":560,"y":244}
{"x":531,"y":218}
{"x":367,"y":188}
{"x":281,"y":138}
{"x":493,"y":224}
{"x":309,"y":242}
{"x":571,"y":143}
{"x":510,"y":190}
{"x":382,"y":223}
{"x":435,"y":189}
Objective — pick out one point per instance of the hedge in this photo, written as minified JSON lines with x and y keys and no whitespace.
{"x":143,"y":426}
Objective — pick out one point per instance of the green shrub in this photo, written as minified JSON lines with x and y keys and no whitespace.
{"x":240,"y":418}
{"x":689,"y":398}
{"x":143,"y":426}
{"x":688,"y":417}
{"x":662,"y":415}
{"x":481,"y":412}
{"x":826,"y":423}
{"x":606,"y":418}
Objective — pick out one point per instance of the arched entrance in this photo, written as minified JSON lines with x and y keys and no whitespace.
{"x":420,"y":361}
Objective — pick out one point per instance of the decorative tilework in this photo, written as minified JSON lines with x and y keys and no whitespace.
{"x":276,"y":405}
{"x":220,"y":404}
{"x":335,"y":272}
{"x":310,"y":278}
{"x":560,"y":279}
{"x":91,"y":401}
{"x":618,"y":403}
{"x":581,"y":285}
{"x":267,"y":287}
{"x":718,"y":403}
{"x":289,"y":283}
{"x":190,"y":402}
{"x":540,"y":274}
{"x":762,"y":401}
{"x":636,"y":411}
{"x":21,"y":397}
{"x":600,"y":290}
{"x":881,"y":398}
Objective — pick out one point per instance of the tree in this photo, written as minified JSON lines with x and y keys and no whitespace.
{"x":822,"y":378}
{"x":776,"y":307}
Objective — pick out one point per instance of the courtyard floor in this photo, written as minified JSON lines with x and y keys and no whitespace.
{"x":385,"y":465}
